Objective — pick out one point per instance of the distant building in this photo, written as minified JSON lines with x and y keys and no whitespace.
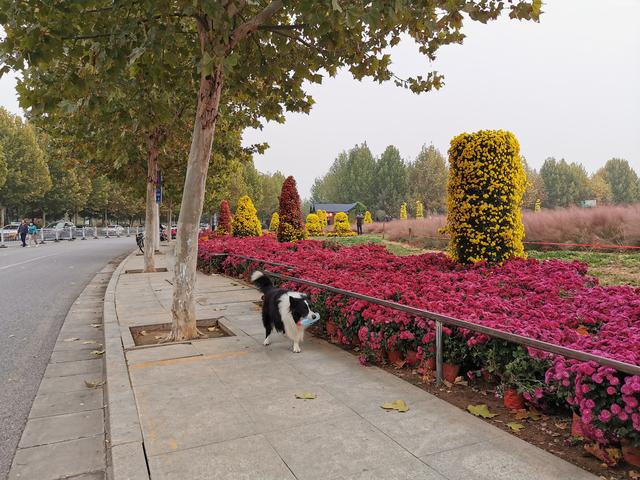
{"x":588,"y":204}
{"x":332,"y":209}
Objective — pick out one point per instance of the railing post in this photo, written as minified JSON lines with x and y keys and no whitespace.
{"x":128,"y":231}
{"x":2,"y":245}
{"x":95,"y":233}
{"x":106,"y":232}
{"x":438,"y":353}
{"x":117,"y":233}
{"x":70,"y":233}
{"x":137,"y":229}
{"x":42,"y":235}
{"x":57,"y":235}
{"x":83,"y":234}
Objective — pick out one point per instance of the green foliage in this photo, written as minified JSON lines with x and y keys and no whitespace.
{"x":600,"y":188}
{"x":27,"y":177}
{"x":403,"y":211}
{"x":534,"y":191}
{"x":3,"y":167}
{"x":341,"y":223}
{"x":622,"y":180}
{"x":245,"y":222}
{"x":314,"y":225}
{"x":275,"y":221}
{"x":390,"y":185}
{"x":486,"y":183}
{"x":427,"y":179}
{"x":564,"y":184}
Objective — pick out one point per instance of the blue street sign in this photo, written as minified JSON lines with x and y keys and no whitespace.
{"x":158,"y":195}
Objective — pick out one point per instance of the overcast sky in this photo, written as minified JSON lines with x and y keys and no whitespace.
{"x":568,"y":87}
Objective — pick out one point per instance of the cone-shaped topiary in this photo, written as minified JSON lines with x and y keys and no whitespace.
{"x":245,"y":222}
{"x":224,"y":221}
{"x":538,"y":206}
{"x":275,"y":220}
{"x":419,"y":209}
{"x":367,"y":217}
{"x":290,"y":227}
{"x":322,"y":215}
{"x":314,"y":226}
{"x":485,"y":188}
{"x":403,"y":211}
{"x":341,"y":223}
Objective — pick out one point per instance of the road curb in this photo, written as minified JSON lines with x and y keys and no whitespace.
{"x":127,"y":460}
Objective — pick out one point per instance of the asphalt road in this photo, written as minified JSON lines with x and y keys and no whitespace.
{"x":37,"y":287}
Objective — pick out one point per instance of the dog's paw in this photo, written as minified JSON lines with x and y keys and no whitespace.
{"x":296,"y":349}
{"x":266,"y":341}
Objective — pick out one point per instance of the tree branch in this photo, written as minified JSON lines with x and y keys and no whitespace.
{"x":252,"y":24}
{"x":297,"y":26}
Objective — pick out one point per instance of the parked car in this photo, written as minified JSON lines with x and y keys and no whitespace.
{"x":115,"y":229}
{"x":10,"y":232}
{"x":61,"y":225}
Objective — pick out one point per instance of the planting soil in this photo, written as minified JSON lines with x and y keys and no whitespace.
{"x":154,"y":334}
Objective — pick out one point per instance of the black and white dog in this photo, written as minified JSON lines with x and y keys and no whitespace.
{"x":283,"y":310}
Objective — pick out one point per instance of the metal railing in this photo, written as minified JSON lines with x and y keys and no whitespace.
{"x":45,"y":235}
{"x":441,"y":320}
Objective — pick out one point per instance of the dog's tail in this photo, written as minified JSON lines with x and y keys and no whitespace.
{"x":261,"y":281}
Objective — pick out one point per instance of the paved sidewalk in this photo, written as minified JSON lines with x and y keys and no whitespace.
{"x":225,"y":408}
{"x":65,"y":434}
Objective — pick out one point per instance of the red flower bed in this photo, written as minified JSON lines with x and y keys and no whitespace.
{"x":555,"y":301}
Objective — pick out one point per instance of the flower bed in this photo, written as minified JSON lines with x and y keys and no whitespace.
{"x":555,"y":301}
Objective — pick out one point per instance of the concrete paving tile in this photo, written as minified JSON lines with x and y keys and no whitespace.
{"x":261,"y":379}
{"x":242,"y":359}
{"x":196,"y":369}
{"x":225,"y":344}
{"x":71,"y":356}
{"x":129,"y":462}
{"x":191,"y":415}
{"x":59,"y":460}
{"x":61,"y":403}
{"x":410,"y":469}
{"x":76,"y":345}
{"x":431,"y":426}
{"x":249,"y":458}
{"x":58,"y":428}
{"x":280,"y":409}
{"x":89,"y":476}
{"x":341,"y":447}
{"x":161,"y":352}
{"x":506,"y":459}
{"x":69,"y":383}
{"x":74,"y":368}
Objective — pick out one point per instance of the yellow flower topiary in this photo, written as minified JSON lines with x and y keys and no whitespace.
{"x":485,"y":188}
{"x":367,"y":217}
{"x":538,"y":206}
{"x":419,"y":209}
{"x":322,"y":215}
{"x":275,"y":221}
{"x":314,"y":226}
{"x":403,"y":211}
{"x":341,"y":223}
{"x":245,"y":222}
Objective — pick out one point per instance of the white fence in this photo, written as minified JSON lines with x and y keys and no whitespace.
{"x":44,"y":235}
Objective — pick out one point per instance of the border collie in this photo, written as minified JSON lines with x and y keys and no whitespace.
{"x":283,"y":310}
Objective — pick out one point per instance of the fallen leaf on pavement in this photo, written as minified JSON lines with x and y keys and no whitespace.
{"x":527,"y":415}
{"x":95,"y":325}
{"x":89,"y":342}
{"x":399,"y":405}
{"x":97,"y":352}
{"x":516,"y":427}
{"x":71,"y":339}
{"x":211,"y":329}
{"x":143,"y":332}
{"x":95,"y":384}
{"x":481,"y":411}
{"x":305,"y":396}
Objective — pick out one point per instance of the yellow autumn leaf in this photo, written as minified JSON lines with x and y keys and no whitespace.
{"x":481,"y":411}
{"x":71,"y":339}
{"x":305,"y":396}
{"x":399,"y":405}
{"x":516,"y":427}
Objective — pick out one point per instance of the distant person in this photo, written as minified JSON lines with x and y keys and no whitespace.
{"x":23,"y":230}
{"x":359,"y":220}
{"x":33,"y":234}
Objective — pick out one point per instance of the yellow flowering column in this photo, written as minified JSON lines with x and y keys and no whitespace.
{"x":341,"y":223}
{"x":275,"y":221}
{"x":403,"y":211}
{"x":538,"y":206}
{"x":419,"y":209}
{"x":367,"y":217}
{"x":245,"y":223}
{"x":485,"y":188}
{"x":314,"y":226}
{"x":322,"y":215}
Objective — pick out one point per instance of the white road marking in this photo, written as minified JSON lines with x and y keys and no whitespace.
{"x":28,"y":261}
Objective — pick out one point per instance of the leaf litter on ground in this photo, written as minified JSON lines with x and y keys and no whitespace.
{"x":481,"y":411}
{"x":306,"y":396}
{"x":97,"y":352}
{"x":71,"y":339}
{"x":94,"y":384}
{"x":516,"y":427}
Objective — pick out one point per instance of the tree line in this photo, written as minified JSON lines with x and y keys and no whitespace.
{"x":382,"y":184}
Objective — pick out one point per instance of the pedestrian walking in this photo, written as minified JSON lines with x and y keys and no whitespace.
{"x":359,"y":220}
{"x":23,"y":230}
{"x":33,"y":233}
